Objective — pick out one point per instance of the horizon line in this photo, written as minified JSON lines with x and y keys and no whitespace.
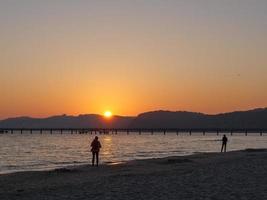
{"x":160,"y":110}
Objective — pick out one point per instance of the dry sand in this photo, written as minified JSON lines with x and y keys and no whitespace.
{"x":235,"y":175}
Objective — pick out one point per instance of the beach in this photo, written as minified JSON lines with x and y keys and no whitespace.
{"x":231,"y":175}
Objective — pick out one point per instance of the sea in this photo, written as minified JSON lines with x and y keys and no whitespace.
{"x":38,"y":152}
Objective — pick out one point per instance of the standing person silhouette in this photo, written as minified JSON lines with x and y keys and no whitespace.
{"x":224,"y":142}
{"x":95,"y":150}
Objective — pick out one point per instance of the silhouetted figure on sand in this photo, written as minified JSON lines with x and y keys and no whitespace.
{"x":224,"y":143}
{"x":95,"y":150}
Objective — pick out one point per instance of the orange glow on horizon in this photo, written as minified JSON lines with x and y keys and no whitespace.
{"x":107,"y":114}
{"x":136,"y":64}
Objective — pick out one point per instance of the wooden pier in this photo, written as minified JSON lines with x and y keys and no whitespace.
{"x":133,"y":130}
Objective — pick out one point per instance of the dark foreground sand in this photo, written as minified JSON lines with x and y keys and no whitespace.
{"x":236,"y":175}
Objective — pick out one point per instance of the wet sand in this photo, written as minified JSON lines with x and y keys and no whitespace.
{"x":216,"y":176}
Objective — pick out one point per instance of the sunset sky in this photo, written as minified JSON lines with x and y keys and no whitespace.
{"x":131,"y":56}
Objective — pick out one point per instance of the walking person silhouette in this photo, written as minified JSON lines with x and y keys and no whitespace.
{"x":96,"y":145}
{"x":224,"y":143}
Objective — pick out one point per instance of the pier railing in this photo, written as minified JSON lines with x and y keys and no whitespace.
{"x":190,"y":131}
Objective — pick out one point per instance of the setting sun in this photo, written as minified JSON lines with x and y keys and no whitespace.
{"x":108,"y":114}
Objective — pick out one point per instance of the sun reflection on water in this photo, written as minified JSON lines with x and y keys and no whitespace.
{"x":107,"y":143}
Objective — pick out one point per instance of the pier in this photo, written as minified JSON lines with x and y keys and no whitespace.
{"x":128,"y":131}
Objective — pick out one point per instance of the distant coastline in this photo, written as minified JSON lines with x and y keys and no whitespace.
{"x":251,"y":119}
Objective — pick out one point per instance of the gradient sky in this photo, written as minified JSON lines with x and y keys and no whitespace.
{"x":131,"y":56}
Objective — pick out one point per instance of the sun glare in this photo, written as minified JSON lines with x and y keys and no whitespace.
{"x":108,"y":114}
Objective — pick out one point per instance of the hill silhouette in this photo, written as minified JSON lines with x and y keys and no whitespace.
{"x":250,"y":119}
{"x":238,"y":120}
{"x":64,"y":121}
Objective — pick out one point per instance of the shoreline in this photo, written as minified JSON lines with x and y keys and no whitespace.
{"x":232,"y":175}
{"x":106,"y":164}
{"x":73,"y":166}
{"x":111,"y":163}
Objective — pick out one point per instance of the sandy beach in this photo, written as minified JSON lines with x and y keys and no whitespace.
{"x":232,"y":175}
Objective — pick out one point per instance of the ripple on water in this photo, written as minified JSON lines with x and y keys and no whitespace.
{"x":41,"y":152}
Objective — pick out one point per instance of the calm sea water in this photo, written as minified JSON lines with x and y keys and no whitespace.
{"x":45,"y":151}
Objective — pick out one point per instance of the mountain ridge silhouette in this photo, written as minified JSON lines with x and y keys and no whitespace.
{"x":256,"y":118}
